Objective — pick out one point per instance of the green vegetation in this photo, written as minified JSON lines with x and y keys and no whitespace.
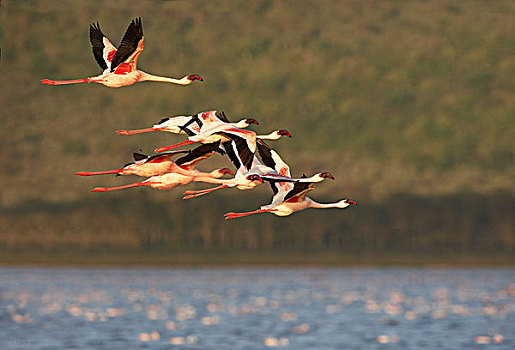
{"x":410,"y":105}
{"x":445,"y":228}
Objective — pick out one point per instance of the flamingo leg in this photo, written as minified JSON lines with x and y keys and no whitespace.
{"x":132,"y":132}
{"x":194,"y":194}
{"x":230,"y":216}
{"x":177,"y":145}
{"x":88,"y":173}
{"x":105,"y":189}
{"x":63,"y":82}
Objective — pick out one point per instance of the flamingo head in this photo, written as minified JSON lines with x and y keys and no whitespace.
{"x":225,"y":171}
{"x":344,"y":203}
{"x":283,"y":133}
{"x":194,"y":77}
{"x":254,"y":177}
{"x":251,"y":121}
{"x":326,"y":175}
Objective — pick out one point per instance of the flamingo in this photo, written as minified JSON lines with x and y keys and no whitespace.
{"x":190,"y":125}
{"x":158,"y":164}
{"x":292,"y":198}
{"x":278,"y":173}
{"x":225,"y":133}
{"x":242,"y":156}
{"x":143,"y":165}
{"x":184,"y":172}
{"x":119,"y":66}
{"x":240,"y":182}
{"x":168,"y":181}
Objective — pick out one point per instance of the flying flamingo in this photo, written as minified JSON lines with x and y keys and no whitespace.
{"x":292,"y":198}
{"x":278,"y":173}
{"x":143,"y":165}
{"x":183,"y":174}
{"x":225,"y":133}
{"x":190,"y":125}
{"x":240,"y":182}
{"x":242,"y":156}
{"x":161,"y":163}
{"x":119,"y":66}
{"x":248,"y":167}
{"x":168,"y":181}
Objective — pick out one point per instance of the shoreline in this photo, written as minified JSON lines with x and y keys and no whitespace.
{"x":220,"y":259}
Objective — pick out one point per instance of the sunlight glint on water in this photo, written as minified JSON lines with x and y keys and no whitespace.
{"x":245,"y":308}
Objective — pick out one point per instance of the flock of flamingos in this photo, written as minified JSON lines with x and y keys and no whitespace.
{"x":211,"y":129}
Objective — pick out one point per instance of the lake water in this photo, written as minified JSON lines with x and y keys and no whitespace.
{"x":255,"y":308}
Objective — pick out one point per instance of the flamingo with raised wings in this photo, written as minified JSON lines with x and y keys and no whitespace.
{"x":119,"y":66}
{"x":277,"y":172}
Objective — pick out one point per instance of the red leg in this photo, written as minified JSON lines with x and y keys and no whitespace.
{"x":105,"y":189}
{"x":230,"y":216}
{"x":132,"y":132}
{"x":88,"y":173}
{"x":63,"y":82}
{"x":180,"y":144}
{"x":193,"y":194}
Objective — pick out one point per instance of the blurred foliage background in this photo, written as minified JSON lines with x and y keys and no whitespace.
{"x":410,"y":105}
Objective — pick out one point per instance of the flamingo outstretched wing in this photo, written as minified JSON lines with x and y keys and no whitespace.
{"x":206,"y":119}
{"x":190,"y":161}
{"x":299,"y":191}
{"x":103,"y":50}
{"x":140,"y":158}
{"x":130,"y":47}
{"x":272,"y":159}
{"x":238,"y":151}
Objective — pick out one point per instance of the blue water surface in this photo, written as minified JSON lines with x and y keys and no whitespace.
{"x":257,"y":308}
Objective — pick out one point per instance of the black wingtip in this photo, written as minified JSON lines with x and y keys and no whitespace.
{"x":139,"y":26}
{"x":221,"y":115}
{"x":219,"y":150}
{"x":139,"y":156}
{"x":163,"y":120}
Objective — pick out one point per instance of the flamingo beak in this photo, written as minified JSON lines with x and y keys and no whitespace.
{"x":255,"y":178}
{"x":327,"y":175}
{"x":193,"y":77}
{"x":351,"y":202}
{"x":226,"y":171}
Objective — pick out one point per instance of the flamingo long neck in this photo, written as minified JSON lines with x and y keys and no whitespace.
{"x":242,"y":124}
{"x":211,"y":180}
{"x":229,"y":182}
{"x":149,"y":77}
{"x":201,"y":176}
{"x":216,"y":174}
{"x":314,"y":178}
{"x":272,"y":136}
{"x":313,"y":204}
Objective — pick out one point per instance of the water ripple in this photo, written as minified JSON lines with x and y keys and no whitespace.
{"x":245,"y":308}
